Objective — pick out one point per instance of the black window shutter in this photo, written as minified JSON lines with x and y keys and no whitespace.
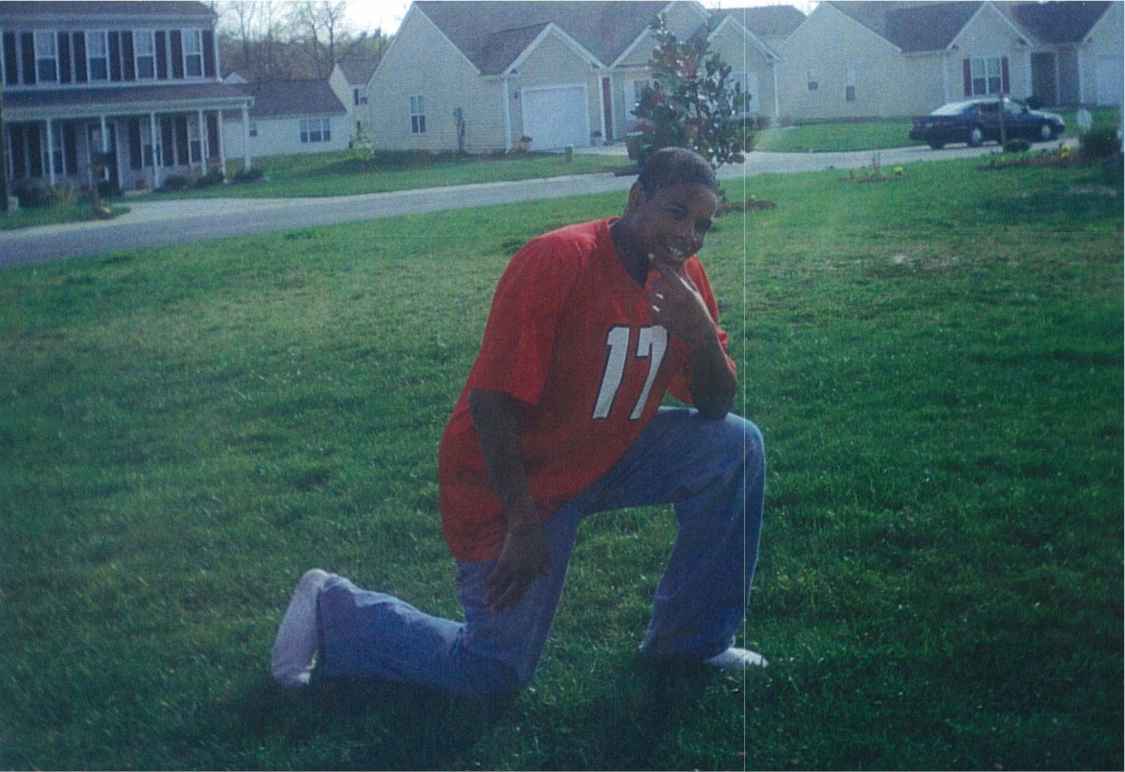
{"x":70,"y":148}
{"x":209,"y":53}
{"x":967,"y":73}
{"x":213,"y":134}
{"x":114,"y":55}
{"x":27,"y":41}
{"x":161,"y":56}
{"x":134,"y":143}
{"x":18,"y":160}
{"x":11,"y":60}
{"x":35,"y":152}
{"x":127,"y":55}
{"x":64,"y":57}
{"x":177,"y":55}
{"x":182,"y":157}
{"x":167,"y":147}
{"x":80,"y":57}
{"x":1004,"y":85}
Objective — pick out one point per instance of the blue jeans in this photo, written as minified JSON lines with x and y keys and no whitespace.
{"x":714,"y":474}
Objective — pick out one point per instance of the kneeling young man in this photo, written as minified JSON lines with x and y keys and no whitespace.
{"x":590,"y":326}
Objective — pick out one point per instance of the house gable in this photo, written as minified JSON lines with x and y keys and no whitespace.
{"x":552,"y":30}
{"x":731,"y":26}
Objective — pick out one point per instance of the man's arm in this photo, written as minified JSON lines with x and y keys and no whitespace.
{"x":678,"y":305}
{"x":524,"y":556}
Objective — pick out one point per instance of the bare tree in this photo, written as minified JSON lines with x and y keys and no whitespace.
{"x":321,"y":27}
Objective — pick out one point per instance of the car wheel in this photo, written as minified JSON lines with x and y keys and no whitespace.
{"x":937,"y":145}
{"x":976,"y":136}
{"x":1046,"y":133}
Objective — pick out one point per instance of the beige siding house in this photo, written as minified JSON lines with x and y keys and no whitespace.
{"x":882,"y":59}
{"x":561,"y":73}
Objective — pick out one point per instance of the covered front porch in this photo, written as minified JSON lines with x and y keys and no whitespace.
{"x":83,"y":138}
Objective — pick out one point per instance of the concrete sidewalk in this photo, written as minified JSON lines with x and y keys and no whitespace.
{"x":153,"y":224}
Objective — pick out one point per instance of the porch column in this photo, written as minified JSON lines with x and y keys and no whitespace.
{"x":222,"y":145}
{"x":507,"y":107}
{"x":105,"y":144}
{"x":203,"y":143}
{"x":776,"y":94}
{"x":245,"y":137}
{"x":50,"y":152}
{"x":156,"y":151}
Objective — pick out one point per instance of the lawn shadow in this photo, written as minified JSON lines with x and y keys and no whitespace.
{"x":627,"y":726}
{"x":363,"y":724}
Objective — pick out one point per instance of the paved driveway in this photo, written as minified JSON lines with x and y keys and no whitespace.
{"x":161,"y":223}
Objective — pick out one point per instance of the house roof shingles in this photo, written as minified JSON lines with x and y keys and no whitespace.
{"x":121,"y":97}
{"x":929,"y":25}
{"x":358,"y":69}
{"x":43,"y":9}
{"x":276,"y":98}
{"x":604,"y":28}
{"x":766,"y":20}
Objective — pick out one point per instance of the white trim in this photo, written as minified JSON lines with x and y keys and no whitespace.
{"x":3,"y":70}
{"x":628,"y":51}
{"x":543,"y":34}
{"x":137,"y":56}
{"x":1094,"y":26}
{"x":35,"y":33}
{"x":141,"y":108}
{"x":1078,"y":51}
{"x":413,"y":7}
{"x":761,"y":46}
{"x":184,"y":33}
{"x":776,"y":93}
{"x":1027,"y":75}
{"x":90,"y":58}
{"x":506,"y":96}
{"x":1016,"y":30}
{"x":553,"y":87}
{"x":857,"y":24}
{"x":51,"y":153}
{"x":945,"y":57}
{"x":157,"y":151}
{"x":245,"y":138}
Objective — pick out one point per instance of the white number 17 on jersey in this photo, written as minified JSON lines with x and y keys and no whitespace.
{"x":652,"y":342}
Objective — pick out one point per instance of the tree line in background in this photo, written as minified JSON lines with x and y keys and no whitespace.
{"x":285,"y":40}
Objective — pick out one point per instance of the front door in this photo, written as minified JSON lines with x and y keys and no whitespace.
{"x":607,"y":108}
{"x":1043,"y":72}
{"x":95,"y":146}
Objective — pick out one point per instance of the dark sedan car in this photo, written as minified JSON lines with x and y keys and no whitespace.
{"x":978,"y":120}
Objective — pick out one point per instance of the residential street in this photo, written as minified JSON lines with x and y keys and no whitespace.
{"x":161,"y":223}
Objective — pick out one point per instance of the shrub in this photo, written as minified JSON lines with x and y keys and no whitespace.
{"x":175,"y":182}
{"x":107,"y":189}
{"x":248,"y":175}
{"x":1017,"y":146}
{"x":34,"y":193}
{"x":64,"y":193}
{"x":1100,"y":143}
{"x":213,"y":177}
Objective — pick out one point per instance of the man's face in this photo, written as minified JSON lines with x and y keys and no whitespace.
{"x":671,"y":223}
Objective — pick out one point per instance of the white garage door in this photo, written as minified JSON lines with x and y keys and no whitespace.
{"x":1109,"y":80}
{"x":555,"y":117}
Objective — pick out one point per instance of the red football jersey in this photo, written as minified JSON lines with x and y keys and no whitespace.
{"x":570,"y":336}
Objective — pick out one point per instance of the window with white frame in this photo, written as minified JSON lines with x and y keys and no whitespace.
{"x":849,"y":86}
{"x":145,"y":52}
{"x":987,"y":78}
{"x":193,"y":53}
{"x":316,"y":130}
{"x":417,"y":115}
{"x":358,"y":96}
{"x":97,"y":55}
{"x":46,"y":57}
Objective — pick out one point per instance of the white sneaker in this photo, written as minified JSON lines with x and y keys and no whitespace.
{"x":295,"y":646}
{"x":737,"y":660}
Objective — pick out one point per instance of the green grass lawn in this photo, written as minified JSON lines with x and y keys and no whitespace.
{"x":340,"y":174}
{"x":935,"y":363}
{"x":53,"y":215}
{"x":877,"y":135}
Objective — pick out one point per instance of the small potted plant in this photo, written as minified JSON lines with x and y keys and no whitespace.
{"x":523,"y":145}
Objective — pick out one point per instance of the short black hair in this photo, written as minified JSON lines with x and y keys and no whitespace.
{"x":676,"y":166}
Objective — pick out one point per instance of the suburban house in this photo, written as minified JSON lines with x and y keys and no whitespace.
{"x":861,"y":59}
{"x":289,"y":117}
{"x":561,"y":73}
{"x":351,"y":77}
{"x":135,"y":83}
